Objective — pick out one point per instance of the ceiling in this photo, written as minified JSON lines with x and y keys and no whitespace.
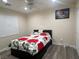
{"x":18,"y":5}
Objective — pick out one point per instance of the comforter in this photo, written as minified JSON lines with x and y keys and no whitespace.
{"x":31,"y":43}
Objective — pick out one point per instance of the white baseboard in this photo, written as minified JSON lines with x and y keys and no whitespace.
{"x":73,"y":46}
{"x":5,"y":49}
{"x":77,"y":51}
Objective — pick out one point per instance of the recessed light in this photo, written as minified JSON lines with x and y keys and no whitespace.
{"x":53,"y":0}
{"x":25,"y":8}
{"x":5,"y":1}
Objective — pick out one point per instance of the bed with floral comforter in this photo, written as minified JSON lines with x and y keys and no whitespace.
{"x":31,"y":43}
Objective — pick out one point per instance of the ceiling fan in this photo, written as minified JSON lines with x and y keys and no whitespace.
{"x":6,"y":2}
{"x":29,"y":3}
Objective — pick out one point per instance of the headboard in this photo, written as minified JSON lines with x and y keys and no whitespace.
{"x":48,"y":31}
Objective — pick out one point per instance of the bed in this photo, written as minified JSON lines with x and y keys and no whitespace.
{"x":32,"y":46}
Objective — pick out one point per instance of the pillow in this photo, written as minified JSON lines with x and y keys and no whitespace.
{"x":36,"y":33}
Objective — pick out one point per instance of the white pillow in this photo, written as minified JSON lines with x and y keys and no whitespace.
{"x":36,"y":33}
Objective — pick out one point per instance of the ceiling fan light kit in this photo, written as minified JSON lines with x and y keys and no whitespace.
{"x":29,"y":4}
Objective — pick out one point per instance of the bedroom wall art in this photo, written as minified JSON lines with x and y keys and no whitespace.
{"x":62,"y":13}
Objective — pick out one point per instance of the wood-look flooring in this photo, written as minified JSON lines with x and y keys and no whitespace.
{"x":53,"y":52}
{"x":61,"y":52}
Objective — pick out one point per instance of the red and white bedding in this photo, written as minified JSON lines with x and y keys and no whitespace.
{"x":31,"y":43}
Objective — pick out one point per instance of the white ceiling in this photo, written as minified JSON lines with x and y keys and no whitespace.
{"x":18,"y":5}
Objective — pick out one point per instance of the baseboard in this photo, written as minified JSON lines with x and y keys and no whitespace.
{"x":5,"y":49}
{"x":77,"y":51}
{"x":73,"y":46}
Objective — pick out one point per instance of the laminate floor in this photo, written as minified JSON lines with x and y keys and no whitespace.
{"x":53,"y":52}
{"x":61,"y":52}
